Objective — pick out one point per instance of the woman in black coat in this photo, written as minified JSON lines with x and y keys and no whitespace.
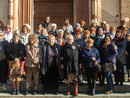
{"x":70,"y":58}
{"x":50,"y":65}
{"x":15,"y":52}
{"x":3,"y":61}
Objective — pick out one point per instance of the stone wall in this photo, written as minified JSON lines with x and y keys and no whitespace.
{"x":110,"y":12}
{"x":4,"y":11}
{"x":125,"y":11}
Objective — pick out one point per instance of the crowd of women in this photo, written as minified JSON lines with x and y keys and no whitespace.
{"x":62,"y":55}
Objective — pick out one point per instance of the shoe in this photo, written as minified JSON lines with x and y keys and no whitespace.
{"x":109,"y":92}
{"x":93,"y":92}
{"x":34,"y":93}
{"x":4,"y":87}
{"x":26,"y":93}
{"x":14,"y":92}
{"x":68,"y":93}
{"x":17,"y":92}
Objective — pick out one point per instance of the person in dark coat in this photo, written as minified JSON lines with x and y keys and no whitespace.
{"x":128,"y":55}
{"x":47,"y":24}
{"x":109,"y":56}
{"x":121,"y":58}
{"x":3,"y":60}
{"x":70,"y":58}
{"x":16,"y":52}
{"x":50,"y":65}
{"x":90,"y":58}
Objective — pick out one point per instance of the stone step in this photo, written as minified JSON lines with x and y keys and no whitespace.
{"x":63,"y":88}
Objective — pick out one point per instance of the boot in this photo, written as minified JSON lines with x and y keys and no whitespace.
{"x":68,"y":88}
{"x":18,"y":92}
{"x":93,"y":92}
{"x":34,"y":92}
{"x":14,"y":92}
{"x":26,"y":93}
{"x":76,"y":89}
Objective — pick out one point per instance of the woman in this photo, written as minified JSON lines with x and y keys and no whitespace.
{"x":112,"y":32}
{"x":128,"y":55}
{"x":3,"y":60}
{"x":125,"y":31}
{"x":69,"y":28}
{"x":32,"y":63}
{"x":54,"y":30}
{"x":93,"y":33}
{"x":106,"y":29}
{"x":90,"y":58}
{"x":8,"y":34}
{"x":38,"y":31}
{"x":25,"y":33}
{"x":16,"y":52}
{"x":83,"y":25}
{"x":109,"y":56}
{"x":86,"y":35}
{"x":60,"y":40}
{"x":2,"y":27}
{"x":121,"y":58}
{"x":99,"y":39}
{"x":50,"y":65}
{"x":69,"y":62}
{"x":43,"y":36}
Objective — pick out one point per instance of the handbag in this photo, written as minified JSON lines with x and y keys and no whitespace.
{"x":16,"y":71}
{"x":107,"y":67}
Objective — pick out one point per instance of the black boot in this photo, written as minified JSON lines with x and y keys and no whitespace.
{"x":14,"y":92}
{"x":18,"y":92}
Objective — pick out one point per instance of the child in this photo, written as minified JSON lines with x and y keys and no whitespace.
{"x":128,"y":55}
{"x":16,"y":72}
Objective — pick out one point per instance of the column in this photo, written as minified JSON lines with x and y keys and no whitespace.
{"x":94,"y":14}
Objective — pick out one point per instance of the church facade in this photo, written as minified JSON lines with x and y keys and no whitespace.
{"x":32,"y":12}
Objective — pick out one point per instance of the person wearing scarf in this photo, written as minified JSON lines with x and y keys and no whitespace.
{"x":69,"y":63}
{"x":121,"y":58}
{"x":50,"y":65}
{"x":112,"y":32}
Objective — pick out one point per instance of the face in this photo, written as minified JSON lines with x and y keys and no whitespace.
{"x":118,"y":34}
{"x":107,"y":39}
{"x":43,"y":32}
{"x":16,"y":39}
{"x":53,"y":27}
{"x":63,"y":28}
{"x":66,"y":21}
{"x":51,"y":41}
{"x":124,"y":32}
{"x":82,"y":24}
{"x":100,"y":32}
{"x":77,"y":35}
{"x":16,"y":32}
{"x":70,"y":40}
{"x":86,"y":36}
{"x":47,"y":19}
{"x":60,"y":34}
{"x":92,"y":32}
{"x":112,"y":31}
{"x":77,"y":27}
{"x":8,"y":29}
{"x":39,"y":27}
{"x":24,"y":30}
{"x":31,"y":40}
{"x":94,"y":24}
{"x":128,"y":38}
{"x":89,"y":45}
{"x":106,"y":27}
{"x":1,"y":36}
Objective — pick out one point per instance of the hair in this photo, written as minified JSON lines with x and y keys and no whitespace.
{"x":8,"y":26}
{"x":16,"y":35}
{"x":66,"y":19}
{"x":121,"y":33}
{"x":86,"y":32}
{"x":39,"y":24}
{"x":35,"y":38}
{"x":125,"y":28}
{"x":28,"y":29}
{"x":83,"y":22}
{"x":90,"y":41}
{"x":109,"y":37}
{"x":53,"y":24}
{"x":127,"y":35}
{"x":98,"y":30}
{"x":2,"y":25}
{"x":51,"y":36}
{"x":92,"y":28}
{"x":78,"y":32}
{"x":69,"y":35}
{"x":17,"y":31}
{"x":112,"y":27}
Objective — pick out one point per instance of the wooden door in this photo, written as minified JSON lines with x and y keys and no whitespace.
{"x":56,"y":9}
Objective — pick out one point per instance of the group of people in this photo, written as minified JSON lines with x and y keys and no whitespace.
{"x":57,"y":55}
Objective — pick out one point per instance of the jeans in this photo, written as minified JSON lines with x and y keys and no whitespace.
{"x":110,"y":85}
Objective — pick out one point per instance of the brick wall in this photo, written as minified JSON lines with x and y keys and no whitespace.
{"x":125,"y":10}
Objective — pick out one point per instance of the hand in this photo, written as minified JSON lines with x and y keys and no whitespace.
{"x":95,"y":63}
{"x":117,"y":57}
{"x":16,"y":60}
{"x":62,"y":66}
{"x":80,"y":66}
{"x":93,"y":59}
{"x":104,"y":45}
{"x":126,"y":53}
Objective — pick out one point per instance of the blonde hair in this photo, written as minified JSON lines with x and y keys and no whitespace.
{"x":112,"y":27}
{"x":27,"y":27}
{"x":8,"y":26}
{"x":34,"y":37}
{"x":44,"y":29}
{"x":86,"y":32}
{"x":90,"y":41}
{"x":51,"y":36}
{"x":2,"y":34}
